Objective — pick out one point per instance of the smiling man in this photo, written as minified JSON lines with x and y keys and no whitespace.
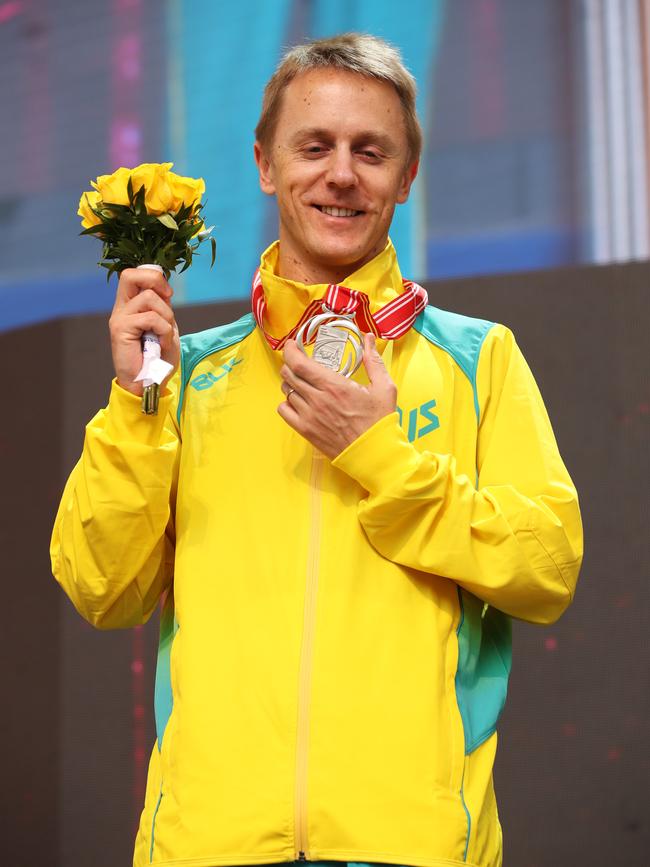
{"x":338,"y":160}
{"x":339,"y":558}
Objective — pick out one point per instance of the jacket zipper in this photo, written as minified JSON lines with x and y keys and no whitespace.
{"x":306,"y":657}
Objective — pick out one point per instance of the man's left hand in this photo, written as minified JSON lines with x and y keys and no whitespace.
{"x":326,"y":408}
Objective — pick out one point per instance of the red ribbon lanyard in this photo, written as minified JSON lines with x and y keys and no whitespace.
{"x":389,"y":322}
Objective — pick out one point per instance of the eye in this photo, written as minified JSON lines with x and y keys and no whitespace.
{"x":370,"y":154}
{"x":314,"y":150}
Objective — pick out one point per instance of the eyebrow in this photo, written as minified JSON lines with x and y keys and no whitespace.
{"x":365,"y":136}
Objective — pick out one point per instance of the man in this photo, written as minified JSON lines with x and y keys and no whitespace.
{"x":338,"y":574}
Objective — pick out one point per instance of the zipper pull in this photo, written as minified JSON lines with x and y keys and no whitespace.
{"x":302,"y":857}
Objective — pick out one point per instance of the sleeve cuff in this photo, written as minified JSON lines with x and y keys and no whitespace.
{"x":125,"y":421}
{"x":381,"y":458}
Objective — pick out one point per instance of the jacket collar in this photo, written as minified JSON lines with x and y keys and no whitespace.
{"x":380,"y":279}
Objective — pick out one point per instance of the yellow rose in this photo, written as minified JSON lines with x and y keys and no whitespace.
{"x":112,"y":188}
{"x":186,"y":191}
{"x":164,"y":191}
{"x":158,"y":198}
{"x":88,"y":217}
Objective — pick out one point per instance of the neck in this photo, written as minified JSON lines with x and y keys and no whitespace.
{"x":293,"y":267}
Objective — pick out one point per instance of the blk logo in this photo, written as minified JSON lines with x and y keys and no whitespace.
{"x":207,"y":380}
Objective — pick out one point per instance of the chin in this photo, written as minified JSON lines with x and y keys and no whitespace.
{"x":341,"y":256}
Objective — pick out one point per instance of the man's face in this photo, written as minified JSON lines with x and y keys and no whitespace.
{"x":337,"y":166}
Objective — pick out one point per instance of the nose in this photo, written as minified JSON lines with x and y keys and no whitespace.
{"x":341,"y":171}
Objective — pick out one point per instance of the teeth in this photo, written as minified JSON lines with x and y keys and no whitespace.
{"x":339,"y":212}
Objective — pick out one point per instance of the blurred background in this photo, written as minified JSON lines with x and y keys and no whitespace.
{"x":535,"y":115}
{"x":531,"y":208}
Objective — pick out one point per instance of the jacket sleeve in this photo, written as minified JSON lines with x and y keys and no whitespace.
{"x":112,"y":546}
{"x":514,"y":539}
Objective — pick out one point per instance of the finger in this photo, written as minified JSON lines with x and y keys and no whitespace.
{"x":292,"y":381}
{"x":134,"y":326}
{"x":292,"y":394}
{"x":291,"y":416}
{"x":148,"y":300}
{"x":306,"y":369}
{"x":373,"y":362}
{"x":135,"y":280}
{"x":169,"y":342}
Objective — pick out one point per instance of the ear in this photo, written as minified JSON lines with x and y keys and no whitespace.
{"x":405,"y":184}
{"x":265,"y":170}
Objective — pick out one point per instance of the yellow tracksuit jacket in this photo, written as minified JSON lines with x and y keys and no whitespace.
{"x":335,"y":637}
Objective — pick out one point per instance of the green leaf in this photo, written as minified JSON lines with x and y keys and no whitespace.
{"x":129,"y":188}
{"x":131,"y":247}
{"x":213,"y":244}
{"x":111,"y":269}
{"x":168,"y":220}
{"x":184,"y":234}
{"x":113,"y":206}
{"x":138,"y":202}
{"x":183,"y":213}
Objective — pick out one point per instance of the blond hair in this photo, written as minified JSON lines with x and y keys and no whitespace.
{"x":353,"y":52}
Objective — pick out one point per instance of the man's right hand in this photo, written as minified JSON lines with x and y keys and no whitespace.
{"x":142,"y":303}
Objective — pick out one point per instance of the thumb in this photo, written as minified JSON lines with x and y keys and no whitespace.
{"x":373,"y":362}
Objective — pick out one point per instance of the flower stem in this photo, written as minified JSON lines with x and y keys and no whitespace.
{"x":150,"y":399}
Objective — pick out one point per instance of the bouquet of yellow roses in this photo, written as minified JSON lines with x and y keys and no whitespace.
{"x":146,"y":217}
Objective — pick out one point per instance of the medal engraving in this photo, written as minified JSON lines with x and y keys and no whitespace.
{"x":339,"y":343}
{"x":330,"y":346}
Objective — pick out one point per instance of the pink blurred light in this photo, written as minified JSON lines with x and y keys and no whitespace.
{"x":550,"y":643}
{"x":487,"y":75}
{"x":9,"y":11}
{"x":127,"y":57}
{"x":126,"y":138}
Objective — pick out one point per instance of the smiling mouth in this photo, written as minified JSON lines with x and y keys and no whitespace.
{"x":338,"y":212}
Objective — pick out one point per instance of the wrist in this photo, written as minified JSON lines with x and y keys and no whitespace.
{"x":125,"y":420}
{"x":381,"y":458}
{"x":129,"y":385}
